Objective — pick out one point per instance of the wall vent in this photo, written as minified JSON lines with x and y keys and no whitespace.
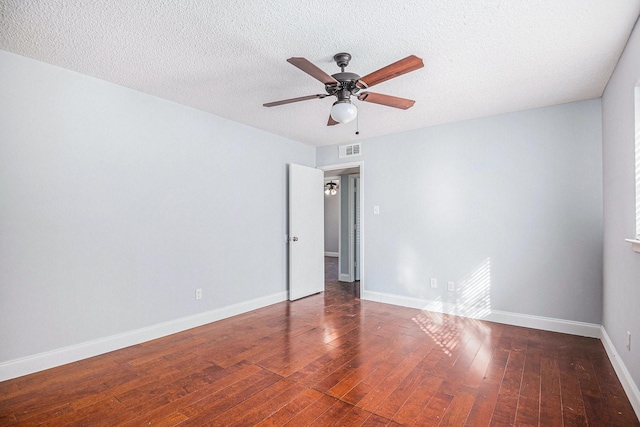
{"x":349,"y":150}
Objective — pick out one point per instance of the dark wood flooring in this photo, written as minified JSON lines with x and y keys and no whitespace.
{"x":332,"y":359}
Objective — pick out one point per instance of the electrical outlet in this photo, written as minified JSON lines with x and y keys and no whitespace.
{"x":199,"y":293}
{"x":434,"y":283}
{"x":451,"y":286}
{"x":628,"y":340}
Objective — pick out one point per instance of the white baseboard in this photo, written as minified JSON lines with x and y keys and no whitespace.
{"x":626,"y":380}
{"x":333,"y":254}
{"x":39,"y":362}
{"x":536,"y":322}
{"x":572,"y":327}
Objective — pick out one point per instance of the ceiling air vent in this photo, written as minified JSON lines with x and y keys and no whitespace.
{"x":349,"y":150}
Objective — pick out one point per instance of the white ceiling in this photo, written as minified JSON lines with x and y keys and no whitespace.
{"x":229,"y":57}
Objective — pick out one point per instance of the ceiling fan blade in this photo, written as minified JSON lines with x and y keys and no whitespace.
{"x":406,"y":65}
{"x":332,"y":122}
{"x":289,"y":101}
{"x":315,"y":72}
{"x":388,"y":100}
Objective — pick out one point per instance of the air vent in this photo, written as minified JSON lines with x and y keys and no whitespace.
{"x":349,"y":150}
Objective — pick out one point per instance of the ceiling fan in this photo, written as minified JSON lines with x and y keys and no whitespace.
{"x":344,"y":84}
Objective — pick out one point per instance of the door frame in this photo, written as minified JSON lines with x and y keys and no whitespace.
{"x":360,"y":165}
{"x":357,"y":226}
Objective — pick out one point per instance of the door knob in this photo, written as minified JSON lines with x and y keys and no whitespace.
{"x":295,"y":239}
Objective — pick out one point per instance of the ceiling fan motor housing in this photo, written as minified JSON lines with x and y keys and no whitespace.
{"x":346,"y":82}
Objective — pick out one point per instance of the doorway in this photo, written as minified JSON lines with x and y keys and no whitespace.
{"x":348,"y":203}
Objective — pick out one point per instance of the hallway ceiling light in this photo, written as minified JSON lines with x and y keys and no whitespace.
{"x":331,"y":188}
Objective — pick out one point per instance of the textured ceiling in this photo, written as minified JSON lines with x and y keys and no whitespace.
{"x":229,"y":57}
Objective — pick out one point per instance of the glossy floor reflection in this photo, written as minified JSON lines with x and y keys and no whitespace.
{"x":332,"y":359}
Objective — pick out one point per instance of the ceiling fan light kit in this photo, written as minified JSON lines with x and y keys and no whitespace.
{"x":343,"y":85}
{"x":343,"y":111}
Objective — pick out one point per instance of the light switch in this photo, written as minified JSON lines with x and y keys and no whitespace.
{"x":376,"y":210}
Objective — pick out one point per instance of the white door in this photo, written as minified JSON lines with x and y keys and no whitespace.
{"x":306,"y":231}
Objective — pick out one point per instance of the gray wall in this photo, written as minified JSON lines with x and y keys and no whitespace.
{"x":621,"y":296}
{"x":515,"y":200}
{"x":332,"y":220}
{"x":115,"y":206}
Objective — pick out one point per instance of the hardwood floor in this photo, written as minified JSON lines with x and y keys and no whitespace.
{"x":331,"y":359}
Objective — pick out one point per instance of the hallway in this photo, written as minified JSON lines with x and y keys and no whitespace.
{"x":331,"y":283}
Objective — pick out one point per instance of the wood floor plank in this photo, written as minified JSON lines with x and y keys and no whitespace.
{"x":332,"y":359}
{"x":550,"y":412}
{"x":392,"y":404}
{"x":105,"y":413}
{"x":433,"y":412}
{"x":332,"y":415}
{"x":378,"y":421}
{"x":573,"y":412}
{"x":527,"y":413}
{"x":77,"y":392}
{"x":291,"y":409}
{"x":476,"y":373}
{"x":396,"y":352}
{"x":319,"y":368}
{"x":504,"y":412}
{"x":215,"y":405}
{"x":312,"y":412}
{"x":457,"y":412}
{"x":353,"y":371}
{"x":259,"y":406}
{"x":354,"y":417}
{"x":362,"y":369}
{"x":224,"y":380}
{"x":392,"y":381}
{"x":416,"y":402}
{"x":482,"y":410}
{"x":596,"y":411}
{"x":512,"y":379}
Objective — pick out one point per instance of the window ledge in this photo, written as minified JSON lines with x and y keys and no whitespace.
{"x":635,"y":244}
